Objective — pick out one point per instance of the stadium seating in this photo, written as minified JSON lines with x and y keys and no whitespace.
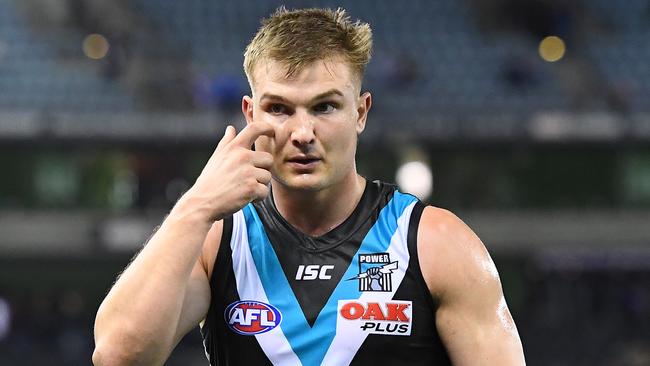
{"x":34,"y":77}
{"x":453,"y":67}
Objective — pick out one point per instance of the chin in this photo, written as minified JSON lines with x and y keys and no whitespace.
{"x":302,"y":182}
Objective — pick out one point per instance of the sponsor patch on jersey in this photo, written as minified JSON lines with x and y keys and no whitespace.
{"x":249,"y":317}
{"x":375,"y":272}
{"x":392,"y":317}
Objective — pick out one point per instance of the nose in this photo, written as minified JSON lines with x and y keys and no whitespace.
{"x":302,"y":129}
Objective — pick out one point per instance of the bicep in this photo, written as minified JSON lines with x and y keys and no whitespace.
{"x":479,"y":333}
{"x":195,"y":302}
{"x":472,"y":318}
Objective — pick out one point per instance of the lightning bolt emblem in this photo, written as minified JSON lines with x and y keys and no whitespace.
{"x":386,"y":268}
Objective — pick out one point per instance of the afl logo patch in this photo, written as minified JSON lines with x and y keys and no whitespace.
{"x":250,"y":317}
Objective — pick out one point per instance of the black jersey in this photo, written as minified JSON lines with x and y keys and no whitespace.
{"x":354,"y":296}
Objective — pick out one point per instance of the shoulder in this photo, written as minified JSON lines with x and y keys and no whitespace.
{"x":440,"y":224}
{"x":452,"y":257}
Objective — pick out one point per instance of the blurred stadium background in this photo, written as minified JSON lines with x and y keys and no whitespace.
{"x":533,"y":116}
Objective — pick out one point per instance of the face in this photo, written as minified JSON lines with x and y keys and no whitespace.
{"x":317,"y":114}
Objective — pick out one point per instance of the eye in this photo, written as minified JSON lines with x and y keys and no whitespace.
{"x":277,"y":109}
{"x":326,"y":107}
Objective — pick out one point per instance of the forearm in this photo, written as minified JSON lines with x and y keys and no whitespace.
{"x":137,"y":321}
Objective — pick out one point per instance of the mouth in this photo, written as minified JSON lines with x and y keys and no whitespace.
{"x":303,"y":162}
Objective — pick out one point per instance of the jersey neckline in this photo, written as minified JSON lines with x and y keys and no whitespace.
{"x":369,"y":200}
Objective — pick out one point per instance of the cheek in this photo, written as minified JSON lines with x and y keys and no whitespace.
{"x":343,"y":141}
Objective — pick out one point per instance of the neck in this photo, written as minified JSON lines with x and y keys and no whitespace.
{"x":317,"y":212}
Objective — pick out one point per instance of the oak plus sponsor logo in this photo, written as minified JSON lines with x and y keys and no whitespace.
{"x":312,"y":272}
{"x":392,"y":317}
{"x":251,"y":317}
{"x":375,"y":272}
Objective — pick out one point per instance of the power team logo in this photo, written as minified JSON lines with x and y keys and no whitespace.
{"x":392,"y":317}
{"x":375,"y":272}
{"x":251,"y":317}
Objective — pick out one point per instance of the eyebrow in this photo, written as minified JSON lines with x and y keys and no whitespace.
{"x":324,"y":95}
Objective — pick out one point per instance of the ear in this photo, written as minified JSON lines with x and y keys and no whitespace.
{"x":247,"y":108}
{"x":363,"y":106}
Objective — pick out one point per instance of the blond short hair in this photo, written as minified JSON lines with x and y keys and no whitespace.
{"x":298,"y":38}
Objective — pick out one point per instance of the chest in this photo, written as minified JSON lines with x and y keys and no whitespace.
{"x":308,"y":303}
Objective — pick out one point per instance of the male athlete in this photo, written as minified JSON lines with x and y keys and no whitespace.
{"x":285,"y":255}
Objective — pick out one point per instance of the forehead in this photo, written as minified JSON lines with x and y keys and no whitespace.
{"x":270,"y":76}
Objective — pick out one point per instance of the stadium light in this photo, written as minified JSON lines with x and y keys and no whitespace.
{"x":415,"y":177}
{"x":552,"y":48}
{"x":95,"y":46}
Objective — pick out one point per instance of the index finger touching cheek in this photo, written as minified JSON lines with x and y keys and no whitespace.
{"x":254,"y":130}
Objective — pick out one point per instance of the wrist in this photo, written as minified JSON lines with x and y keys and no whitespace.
{"x":192,"y":210}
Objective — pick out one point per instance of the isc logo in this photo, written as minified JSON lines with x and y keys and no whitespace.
{"x":314,"y":271}
{"x":252,"y":317}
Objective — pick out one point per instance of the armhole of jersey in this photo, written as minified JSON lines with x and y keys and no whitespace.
{"x":222,"y":260}
{"x":412,"y":240}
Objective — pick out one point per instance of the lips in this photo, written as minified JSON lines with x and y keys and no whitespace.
{"x":307,"y":159}
{"x":303,"y":161}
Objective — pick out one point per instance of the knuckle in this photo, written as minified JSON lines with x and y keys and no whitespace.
{"x":249,"y":193}
{"x":265,"y":158}
{"x":251,"y":184}
{"x":251,"y":172}
{"x":242,"y":156}
{"x":262,"y":191}
{"x":251,"y":155}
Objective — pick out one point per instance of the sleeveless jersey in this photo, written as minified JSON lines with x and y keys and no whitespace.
{"x":354,"y":296}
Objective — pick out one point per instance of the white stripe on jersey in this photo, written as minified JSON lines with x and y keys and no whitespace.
{"x":249,"y":286}
{"x":346,"y":343}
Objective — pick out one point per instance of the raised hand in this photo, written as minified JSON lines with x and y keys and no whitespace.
{"x":235,"y":174}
